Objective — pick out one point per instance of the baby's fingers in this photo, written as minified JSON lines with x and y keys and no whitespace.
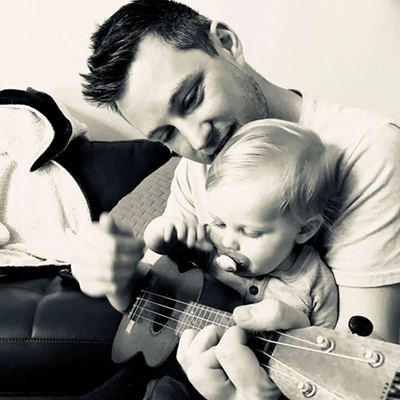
{"x":203,"y":242}
{"x":169,"y":230}
{"x":191,"y":236}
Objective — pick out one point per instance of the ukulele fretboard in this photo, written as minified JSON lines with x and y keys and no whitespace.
{"x":198,"y":316}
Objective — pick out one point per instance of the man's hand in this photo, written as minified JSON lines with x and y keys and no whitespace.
{"x":105,"y":262}
{"x":164,"y":233}
{"x":222,"y":366}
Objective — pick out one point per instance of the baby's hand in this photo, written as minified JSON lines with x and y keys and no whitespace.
{"x":163,"y":234}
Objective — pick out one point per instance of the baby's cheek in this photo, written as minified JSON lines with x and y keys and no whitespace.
{"x":215,"y":235}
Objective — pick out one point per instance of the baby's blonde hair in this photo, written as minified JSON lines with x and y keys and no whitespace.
{"x":306,"y":166}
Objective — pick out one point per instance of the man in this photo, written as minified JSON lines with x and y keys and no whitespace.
{"x":181,"y":79}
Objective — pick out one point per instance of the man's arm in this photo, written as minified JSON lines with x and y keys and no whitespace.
{"x":381,"y":305}
{"x":180,"y":202}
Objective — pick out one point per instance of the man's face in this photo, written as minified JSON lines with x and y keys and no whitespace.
{"x":189,"y":100}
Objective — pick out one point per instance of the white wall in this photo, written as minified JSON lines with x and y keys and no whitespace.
{"x":345,"y":51}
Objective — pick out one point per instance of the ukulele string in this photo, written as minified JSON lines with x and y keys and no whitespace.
{"x":303,"y":378}
{"x":278,"y":332}
{"x":199,"y":306}
{"x":227,"y":326}
{"x":261,"y":351}
{"x":263,"y":365}
{"x":297,"y":338}
{"x":187,"y":325}
{"x":315,"y":351}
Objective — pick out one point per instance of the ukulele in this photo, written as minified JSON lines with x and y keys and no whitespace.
{"x":313,"y":362}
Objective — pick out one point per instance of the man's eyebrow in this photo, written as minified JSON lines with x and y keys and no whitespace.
{"x":180,"y":87}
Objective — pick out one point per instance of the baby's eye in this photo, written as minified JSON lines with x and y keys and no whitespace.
{"x":252,"y":235}
{"x":218,"y":225}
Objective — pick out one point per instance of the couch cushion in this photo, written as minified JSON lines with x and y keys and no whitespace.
{"x":148,"y":200}
{"x":51,"y":335}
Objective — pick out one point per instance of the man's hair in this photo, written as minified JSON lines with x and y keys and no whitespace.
{"x":114,"y":44}
{"x":302,"y":168}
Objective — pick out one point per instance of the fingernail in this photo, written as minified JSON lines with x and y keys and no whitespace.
{"x":243,"y":313}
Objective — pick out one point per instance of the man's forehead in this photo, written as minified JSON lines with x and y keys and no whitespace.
{"x":153,"y":78}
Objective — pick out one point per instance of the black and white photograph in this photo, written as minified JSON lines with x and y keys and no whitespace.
{"x":200,"y":200}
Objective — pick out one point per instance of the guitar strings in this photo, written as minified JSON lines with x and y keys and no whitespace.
{"x":304,"y":378}
{"x":227,"y":326}
{"x":263,"y":365}
{"x":217,"y":313}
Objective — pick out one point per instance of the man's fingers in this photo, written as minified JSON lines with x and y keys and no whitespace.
{"x":252,"y":381}
{"x":184,"y":343}
{"x":268,"y":315}
{"x":196,"y":354}
{"x":193,"y":344}
{"x":168,"y":232}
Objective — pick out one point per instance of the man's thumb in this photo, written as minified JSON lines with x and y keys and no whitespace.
{"x":109,"y":225}
{"x":268,"y":315}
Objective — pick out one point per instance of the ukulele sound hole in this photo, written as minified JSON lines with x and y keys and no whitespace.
{"x":166,"y":307}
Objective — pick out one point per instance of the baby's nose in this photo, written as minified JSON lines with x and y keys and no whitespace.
{"x":229,"y":242}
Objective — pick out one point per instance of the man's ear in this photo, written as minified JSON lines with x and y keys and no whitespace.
{"x":226,"y":41}
{"x":309,"y":229}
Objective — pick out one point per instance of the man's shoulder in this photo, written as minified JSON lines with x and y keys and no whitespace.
{"x":341,"y":124}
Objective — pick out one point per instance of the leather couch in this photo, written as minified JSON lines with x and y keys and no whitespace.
{"x":55,"y":342}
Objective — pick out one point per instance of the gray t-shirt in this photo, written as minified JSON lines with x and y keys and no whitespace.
{"x":363,"y":246}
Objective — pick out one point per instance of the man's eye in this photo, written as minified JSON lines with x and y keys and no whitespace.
{"x":168,"y":135}
{"x":192,"y":98}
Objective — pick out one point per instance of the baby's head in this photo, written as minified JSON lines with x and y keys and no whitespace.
{"x":269,"y":190}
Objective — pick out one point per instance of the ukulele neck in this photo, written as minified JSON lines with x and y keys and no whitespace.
{"x":198,"y":316}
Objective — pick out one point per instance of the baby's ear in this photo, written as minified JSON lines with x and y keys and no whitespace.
{"x":309,"y":229}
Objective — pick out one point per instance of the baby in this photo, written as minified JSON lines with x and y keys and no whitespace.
{"x":270,"y":191}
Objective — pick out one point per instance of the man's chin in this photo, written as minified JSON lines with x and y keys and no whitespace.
{"x":203,"y":160}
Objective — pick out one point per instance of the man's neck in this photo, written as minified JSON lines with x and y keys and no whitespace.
{"x":282,"y":103}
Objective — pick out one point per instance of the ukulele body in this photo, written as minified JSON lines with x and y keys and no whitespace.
{"x":154,"y":332}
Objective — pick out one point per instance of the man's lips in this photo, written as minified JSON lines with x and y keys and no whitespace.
{"x":225,"y":139}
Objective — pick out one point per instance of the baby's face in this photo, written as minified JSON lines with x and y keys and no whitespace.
{"x":247,"y":228}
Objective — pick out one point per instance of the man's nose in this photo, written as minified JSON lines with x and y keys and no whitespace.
{"x":197,"y":133}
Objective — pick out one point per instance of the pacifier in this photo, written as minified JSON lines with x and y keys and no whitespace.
{"x":226,"y":263}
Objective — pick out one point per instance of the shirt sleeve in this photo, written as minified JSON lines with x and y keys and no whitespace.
{"x":180,"y":203}
{"x":324,"y":298}
{"x":363,"y":246}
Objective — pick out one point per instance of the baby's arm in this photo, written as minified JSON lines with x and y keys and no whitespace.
{"x":163,"y":234}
